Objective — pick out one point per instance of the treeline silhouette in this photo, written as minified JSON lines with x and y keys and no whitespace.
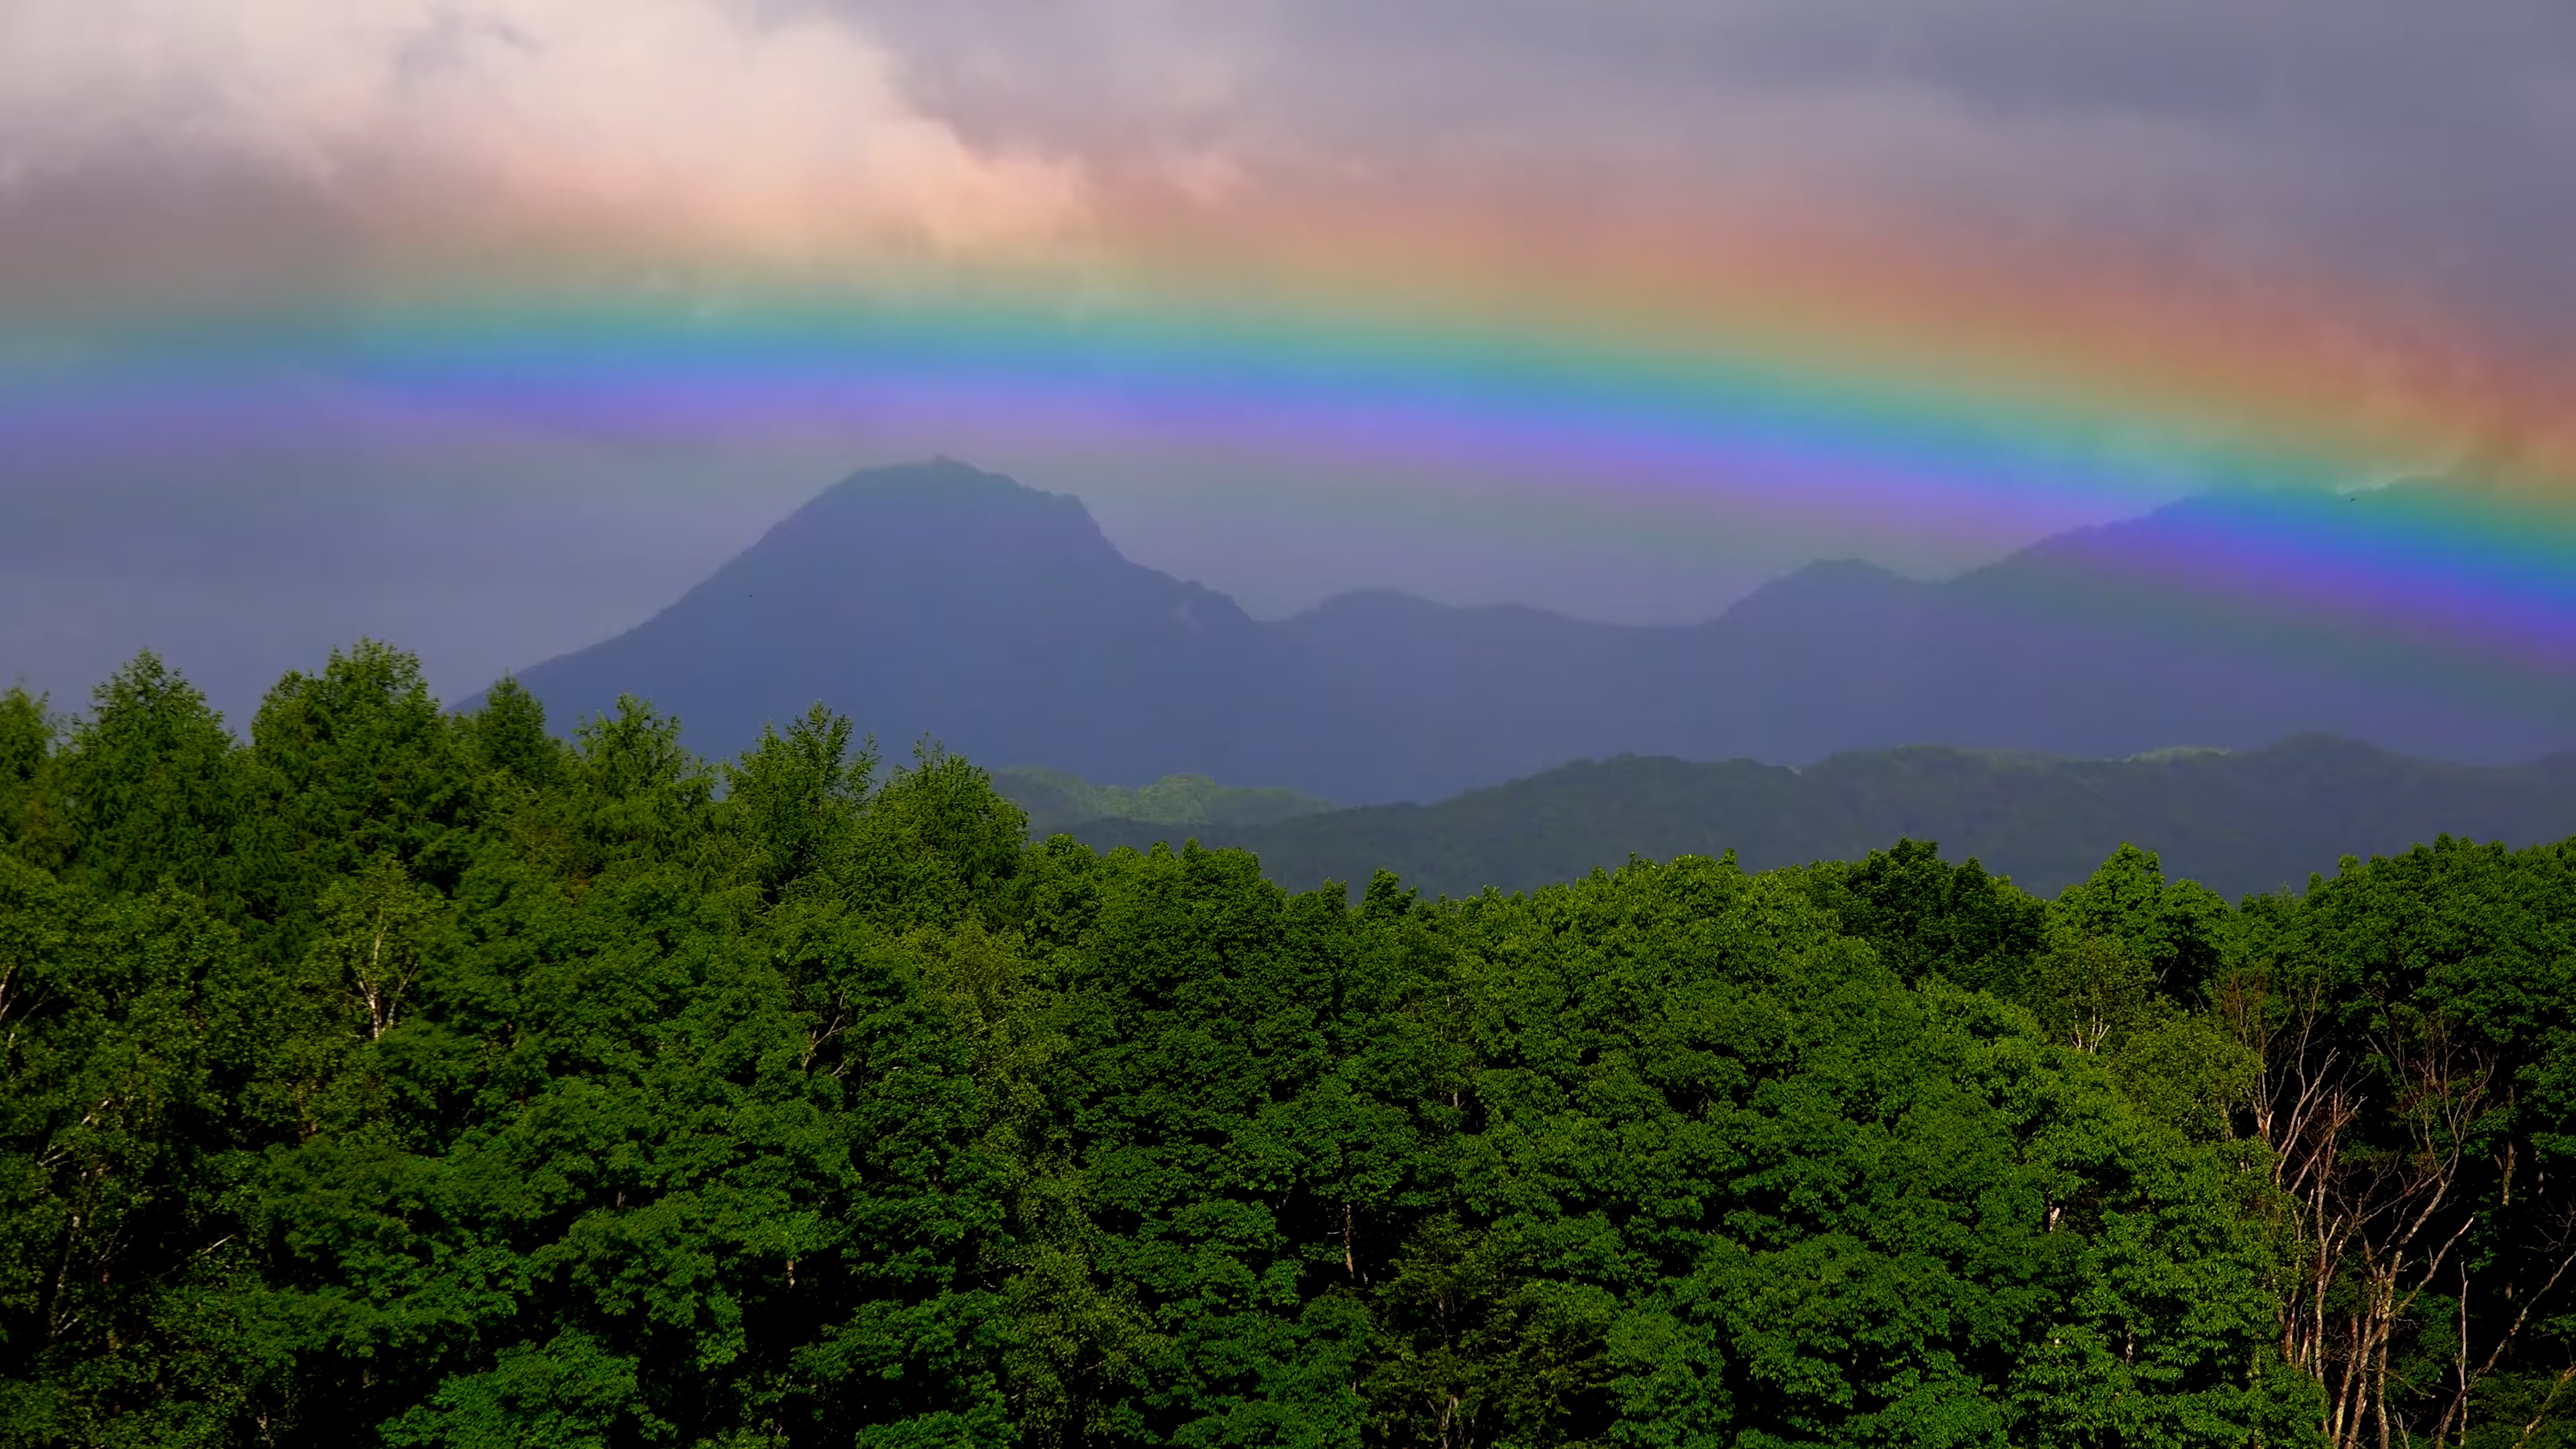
{"x":404,"y":1077}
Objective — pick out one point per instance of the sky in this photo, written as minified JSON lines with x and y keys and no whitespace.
{"x":487,"y":326}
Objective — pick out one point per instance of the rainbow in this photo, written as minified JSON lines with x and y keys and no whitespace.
{"x":1850,"y":369}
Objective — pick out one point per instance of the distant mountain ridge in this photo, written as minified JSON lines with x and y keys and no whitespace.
{"x":2238,"y":822}
{"x":937,"y":599}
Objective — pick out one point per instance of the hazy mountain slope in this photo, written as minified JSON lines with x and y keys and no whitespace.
{"x":941,"y":600}
{"x":2236,"y":822}
{"x":1382,"y":695}
{"x":2170,"y":629}
{"x":937,"y":599}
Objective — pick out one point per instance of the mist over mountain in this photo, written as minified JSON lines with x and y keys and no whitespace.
{"x":2238,"y":822}
{"x":939,"y":600}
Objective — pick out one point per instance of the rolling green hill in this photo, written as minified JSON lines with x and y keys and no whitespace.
{"x":2238,"y":822}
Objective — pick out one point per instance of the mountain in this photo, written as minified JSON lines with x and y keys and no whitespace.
{"x":939,"y":600}
{"x":936,"y":599}
{"x":2236,"y":822}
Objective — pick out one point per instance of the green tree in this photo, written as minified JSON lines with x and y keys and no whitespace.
{"x":796,"y":797}
{"x":374,"y":929}
{"x":507,"y":736}
{"x":130,"y":1032}
{"x":353,"y":763}
{"x":27,"y":734}
{"x":2177,"y":930}
{"x":1925,"y":915}
{"x":2089,"y":992}
{"x":152,"y":791}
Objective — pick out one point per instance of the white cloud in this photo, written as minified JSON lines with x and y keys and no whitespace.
{"x":685,"y":122}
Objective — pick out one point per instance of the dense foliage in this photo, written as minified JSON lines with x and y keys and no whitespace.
{"x":412,"y":1078}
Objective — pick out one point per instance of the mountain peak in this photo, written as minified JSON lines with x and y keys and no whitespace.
{"x":943,"y":506}
{"x":936,"y":597}
{"x":940,"y":478}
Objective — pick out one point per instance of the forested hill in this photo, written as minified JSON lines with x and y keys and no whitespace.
{"x":2237,"y":822}
{"x":940,"y":600}
{"x":416,"y":1079}
{"x":391,"y":1077}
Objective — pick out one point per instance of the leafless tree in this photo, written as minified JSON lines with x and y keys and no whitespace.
{"x":2369,"y":1146}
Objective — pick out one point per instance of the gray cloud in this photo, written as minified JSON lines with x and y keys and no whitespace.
{"x":178,"y":147}
{"x":2432,"y":146}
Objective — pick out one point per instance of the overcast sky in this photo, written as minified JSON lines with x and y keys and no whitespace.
{"x":2421,"y":154}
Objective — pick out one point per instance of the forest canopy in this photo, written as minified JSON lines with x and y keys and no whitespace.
{"x":406,"y":1077}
